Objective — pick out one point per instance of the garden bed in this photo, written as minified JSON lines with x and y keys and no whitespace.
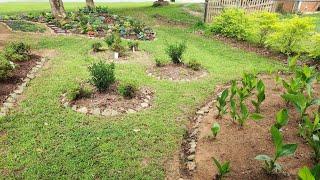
{"x":25,"y":26}
{"x":176,"y":72}
{"x":239,"y":145}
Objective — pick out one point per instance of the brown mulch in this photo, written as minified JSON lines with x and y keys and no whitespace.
{"x":19,"y":73}
{"x":241,"y":145}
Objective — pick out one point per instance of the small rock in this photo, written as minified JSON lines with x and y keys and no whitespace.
{"x":74,"y":107}
{"x":83,"y":110}
{"x":114,"y":113}
{"x":192,"y":150}
{"x":144,"y":105}
{"x":8,"y":105}
{"x":109,"y":112}
{"x":136,"y":130}
{"x":148,"y":97}
{"x":205,"y":109}
{"x":191,"y":157}
{"x":146,"y":100}
{"x":10,"y":100}
{"x":30,"y":76}
{"x":96,"y":111}
{"x":200,"y":112}
{"x":66,"y":104}
{"x":191,"y":166}
{"x":131,"y":111}
{"x":193,"y":144}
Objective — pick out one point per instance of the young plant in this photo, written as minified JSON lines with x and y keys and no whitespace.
{"x":215,"y":129}
{"x":306,"y":174}
{"x":128,"y":91}
{"x":308,"y":128}
{"x":249,"y":81}
{"x":102,"y":75}
{"x":96,"y":47}
{"x":282,"y":118}
{"x":281,"y":150}
{"x":194,"y":65}
{"x":133,"y":45}
{"x":17,"y":52}
{"x":6,"y":67}
{"x":314,"y":142}
{"x":82,"y":91}
{"x":159,"y":62}
{"x":222,"y":102}
{"x":175,"y":52}
{"x":110,"y":40}
{"x":223,"y":168}
{"x":260,"y":96}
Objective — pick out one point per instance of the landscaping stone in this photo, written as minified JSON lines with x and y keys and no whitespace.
{"x":191,"y":157}
{"x":96,"y":111}
{"x":200,"y":112}
{"x":83,"y":110}
{"x":191,"y":165}
{"x":144,"y":105}
{"x":131,"y":111}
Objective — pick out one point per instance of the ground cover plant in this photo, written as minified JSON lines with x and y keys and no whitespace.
{"x":25,"y":26}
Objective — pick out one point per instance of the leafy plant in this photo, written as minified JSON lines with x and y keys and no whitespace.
{"x":102,"y":75}
{"x":159,"y":62}
{"x":110,"y":40}
{"x":5,"y":67}
{"x":82,"y":91}
{"x":281,"y":150}
{"x":17,"y":51}
{"x":25,"y":26}
{"x":117,"y":46}
{"x":222,"y":102}
{"x":96,"y":47}
{"x":260,"y":96}
{"x":128,"y":90}
{"x":306,"y":174}
{"x":282,"y":118}
{"x":215,"y":129}
{"x":314,"y":51}
{"x":133,"y":44}
{"x":175,"y":52}
{"x":249,"y":82}
{"x":223,"y":168}
{"x":194,"y":65}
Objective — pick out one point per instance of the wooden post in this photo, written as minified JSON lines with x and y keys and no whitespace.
{"x":205,"y":11}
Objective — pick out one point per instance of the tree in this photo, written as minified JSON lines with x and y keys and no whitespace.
{"x":90,"y":3}
{"x":57,"y":9}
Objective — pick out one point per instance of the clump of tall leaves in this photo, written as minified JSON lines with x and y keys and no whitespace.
{"x":223,"y":168}
{"x":102,"y":75}
{"x":281,"y":150}
{"x":260,"y":96}
{"x":282,"y":118}
{"x":309,"y":174}
{"x":215,"y":129}
{"x":222,"y":102}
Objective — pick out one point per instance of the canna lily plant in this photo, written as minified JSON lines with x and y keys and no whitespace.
{"x":215,"y":129}
{"x":260,"y":95}
{"x":223,"y":168}
{"x":282,"y":118}
{"x":222,"y":102}
{"x":306,"y":174}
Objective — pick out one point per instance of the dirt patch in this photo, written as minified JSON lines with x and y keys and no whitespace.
{"x":17,"y":76}
{"x":240,"y":146}
{"x":165,"y":21}
{"x":176,"y":72}
{"x":4,"y":35}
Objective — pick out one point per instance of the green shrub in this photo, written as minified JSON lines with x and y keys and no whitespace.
{"x":133,"y":44}
{"x":17,"y":51}
{"x":128,"y":90}
{"x":194,"y":65}
{"x":315,"y":49}
{"x":110,"y":40}
{"x":118,"y":46}
{"x":96,"y":47}
{"x":82,"y":91}
{"x":5,"y":67}
{"x":175,"y":52}
{"x":231,"y":23}
{"x":159,"y":62}
{"x":102,"y":75}
{"x":289,"y":35}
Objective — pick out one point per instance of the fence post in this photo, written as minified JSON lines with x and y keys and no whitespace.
{"x":205,"y":11}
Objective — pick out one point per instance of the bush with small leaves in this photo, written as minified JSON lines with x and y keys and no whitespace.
{"x":5,"y":67}
{"x":314,"y":50}
{"x":128,"y":90}
{"x":215,"y":129}
{"x":159,"y":62}
{"x":118,"y":46}
{"x":194,"y":65}
{"x":281,"y":150}
{"x":175,"y":52}
{"x":96,"y":47}
{"x":223,"y":168}
{"x":102,"y":75}
{"x":133,"y":45}
{"x":110,"y":40}
{"x":17,"y":51}
{"x":84,"y":90}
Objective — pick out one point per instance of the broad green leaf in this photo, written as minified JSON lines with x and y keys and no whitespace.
{"x":263,"y":158}
{"x":282,"y":118}
{"x":215,"y":128}
{"x":217,"y":163}
{"x":299,"y":100}
{"x":305,"y":174}
{"x":256,"y":116}
{"x":287,"y":150}
{"x":225,"y":167}
{"x":244,"y":110}
{"x":316,"y":171}
{"x":225,"y":94}
{"x":276,"y":137}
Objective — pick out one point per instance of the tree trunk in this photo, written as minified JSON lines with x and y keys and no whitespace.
{"x":57,"y":9}
{"x":90,"y":3}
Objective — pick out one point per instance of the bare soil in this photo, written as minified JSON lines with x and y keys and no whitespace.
{"x":176,"y":72}
{"x":5,"y":34}
{"x":241,"y":145}
{"x":111,"y":99}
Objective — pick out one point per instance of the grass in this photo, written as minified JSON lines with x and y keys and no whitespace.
{"x":42,"y":140}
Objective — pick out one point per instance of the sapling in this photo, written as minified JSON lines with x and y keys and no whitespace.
{"x":314,"y":142}
{"x":306,"y":174}
{"x":249,"y":81}
{"x":222,"y":102}
{"x":282,"y":118}
{"x":260,"y":96}
{"x":244,"y":114}
{"x":281,"y":150}
{"x":223,"y":168}
{"x":308,"y":128}
{"x":215,"y":129}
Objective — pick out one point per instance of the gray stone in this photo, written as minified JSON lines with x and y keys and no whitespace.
{"x":96,"y":111}
{"x":74,"y":107}
{"x":109,"y":112}
{"x":83,"y":110}
{"x":148,"y":97}
{"x":200,"y":112}
{"x":191,"y":157}
{"x":144,"y":105}
{"x":31,"y":75}
{"x":146,"y":100}
{"x":192,"y":150}
{"x":191,"y":165}
{"x":8,"y":105}
{"x":66,"y":104}
{"x":193,"y":144}
{"x":131,"y":111}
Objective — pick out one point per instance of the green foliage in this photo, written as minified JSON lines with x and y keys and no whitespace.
{"x":222,"y":102}
{"x":96,"y":47}
{"x":249,"y":82}
{"x":223,"y":168}
{"x":306,"y":174}
{"x":128,"y":90}
{"x":133,"y":44}
{"x":25,"y":26}
{"x":194,"y":65}
{"x":215,"y":129}
{"x":289,"y":35}
{"x":282,"y":118}
{"x":110,"y":40}
{"x":5,"y":67}
{"x":102,"y":75}
{"x":281,"y":150}
{"x":118,"y":46}
{"x":314,"y":51}
{"x":231,"y":23}
{"x":159,"y":62}
{"x":17,"y":51}
{"x":82,"y":91}
{"x":260,"y":96}
{"x":175,"y":52}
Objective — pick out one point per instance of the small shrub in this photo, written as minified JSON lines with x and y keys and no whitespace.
{"x":281,"y":150}
{"x":82,"y":91}
{"x":290,"y":34}
{"x":128,"y":90}
{"x":133,"y":44}
{"x":175,"y":52}
{"x":314,"y":51}
{"x":110,"y":40}
{"x":5,"y":67}
{"x":223,"y":168}
{"x":232,"y":23}
{"x":159,"y":62}
{"x":17,"y":51}
{"x":102,"y":75}
{"x":200,"y":25}
{"x":215,"y":129}
{"x":96,"y":47}
{"x":194,"y":65}
{"x":117,"y":46}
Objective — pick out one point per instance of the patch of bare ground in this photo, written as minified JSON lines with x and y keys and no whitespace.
{"x":241,"y":145}
{"x":165,"y":21}
{"x":176,"y":72}
{"x":5,"y":34}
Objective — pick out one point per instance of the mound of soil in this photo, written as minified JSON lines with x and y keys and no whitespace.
{"x":19,"y":73}
{"x":176,"y":72}
{"x":241,"y":145}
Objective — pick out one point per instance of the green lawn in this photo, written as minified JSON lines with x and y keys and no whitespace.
{"x":75,"y":146}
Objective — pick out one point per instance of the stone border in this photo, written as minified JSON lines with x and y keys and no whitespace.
{"x":107,"y":112}
{"x":150,"y":74}
{"x":14,"y":97}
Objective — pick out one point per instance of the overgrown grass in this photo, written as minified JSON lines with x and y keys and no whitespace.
{"x":41,"y":139}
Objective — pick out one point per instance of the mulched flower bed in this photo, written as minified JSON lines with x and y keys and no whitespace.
{"x":110,"y":103}
{"x":176,"y":72}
